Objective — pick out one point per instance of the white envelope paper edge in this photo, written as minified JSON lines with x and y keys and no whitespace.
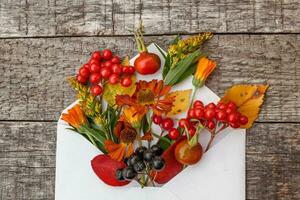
{"x":220,"y":175}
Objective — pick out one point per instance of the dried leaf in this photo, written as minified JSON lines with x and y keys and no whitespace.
{"x":248,"y":99}
{"x":126,"y":61}
{"x":111,"y":91}
{"x":181,"y":103}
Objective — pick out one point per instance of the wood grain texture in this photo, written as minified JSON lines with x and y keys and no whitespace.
{"x":34,"y":71}
{"x":115,"y":17}
{"x":27,"y":161}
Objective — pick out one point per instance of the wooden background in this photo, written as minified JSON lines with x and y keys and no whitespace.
{"x":44,"y":41}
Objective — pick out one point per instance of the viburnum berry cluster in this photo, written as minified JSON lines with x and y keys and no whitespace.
{"x":104,"y":67}
{"x":143,"y":162}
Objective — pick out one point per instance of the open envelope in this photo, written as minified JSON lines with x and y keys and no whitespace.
{"x":220,"y":174}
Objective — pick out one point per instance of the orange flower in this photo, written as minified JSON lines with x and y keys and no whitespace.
{"x":204,"y":68}
{"x":134,"y":115}
{"x":75,"y":117}
{"x":127,"y":135}
{"x":151,"y":94}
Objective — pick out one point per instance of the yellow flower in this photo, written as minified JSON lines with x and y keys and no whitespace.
{"x":204,"y":68}
{"x":75,"y":117}
{"x":134,"y":115}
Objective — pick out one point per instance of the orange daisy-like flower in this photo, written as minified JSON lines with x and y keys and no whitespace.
{"x":75,"y":117}
{"x":151,"y":94}
{"x":127,"y":135}
{"x":204,"y":68}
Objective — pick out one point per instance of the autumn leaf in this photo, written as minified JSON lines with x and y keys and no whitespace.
{"x":181,"y":103}
{"x":248,"y":99}
{"x":111,"y":91}
{"x":125,"y":61}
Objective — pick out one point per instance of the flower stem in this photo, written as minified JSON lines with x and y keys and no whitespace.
{"x":193,"y":96}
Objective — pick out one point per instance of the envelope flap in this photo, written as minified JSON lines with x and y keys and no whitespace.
{"x":219,"y":175}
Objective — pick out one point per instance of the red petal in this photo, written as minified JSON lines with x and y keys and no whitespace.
{"x":172,"y":168}
{"x":105,"y":168}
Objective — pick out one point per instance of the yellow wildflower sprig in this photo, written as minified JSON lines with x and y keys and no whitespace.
{"x":91,"y":106}
{"x":182,"y":48}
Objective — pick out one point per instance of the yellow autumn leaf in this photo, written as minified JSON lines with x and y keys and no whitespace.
{"x":181,"y":103}
{"x":248,"y":99}
{"x":126,"y":61}
{"x":111,"y":91}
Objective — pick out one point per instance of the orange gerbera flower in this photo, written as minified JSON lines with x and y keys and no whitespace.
{"x":75,"y":117}
{"x":151,"y":94}
{"x":133,"y":115}
{"x":127,"y":135}
{"x":204,"y":68}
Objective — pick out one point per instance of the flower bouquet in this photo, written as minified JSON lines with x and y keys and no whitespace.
{"x":151,"y":123}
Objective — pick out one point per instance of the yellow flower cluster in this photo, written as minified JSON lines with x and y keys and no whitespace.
{"x":91,"y":105}
{"x":184,"y":47}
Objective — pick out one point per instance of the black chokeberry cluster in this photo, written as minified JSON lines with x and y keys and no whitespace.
{"x":142,"y":161}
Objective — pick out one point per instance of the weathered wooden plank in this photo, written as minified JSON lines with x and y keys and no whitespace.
{"x":92,"y":17}
{"x":27,"y":161}
{"x":33,"y":86}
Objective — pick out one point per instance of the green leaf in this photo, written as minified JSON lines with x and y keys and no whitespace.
{"x":161,"y":51}
{"x":164,"y":143}
{"x":187,"y":73}
{"x":167,"y":66}
{"x":174,"y":74}
{"x":176,"y":39}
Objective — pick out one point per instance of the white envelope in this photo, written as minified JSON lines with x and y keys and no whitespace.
{"x":220,"y":174}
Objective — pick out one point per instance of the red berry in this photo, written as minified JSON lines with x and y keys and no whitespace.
{"x":243,"y":119}
{"x":108,"y":64}
{"x":95,"y":78}
{"x":157,"y":119}
{"x":116,"y":69}
{"x":81,"y":79}
{"x":115,"y":60}
{"x":95,"y":68}
{"x":235,"y":125}
{"x":131,"y":70}
{"x":191,"y":113}
{"x":106,"y":54}
{"x":198,"y":103}
{"x":231,"y":105}
{"x":167,"y":124}
{"x":192,"y":131}
{"x":221,"y":106}
{"x":210,"y":125}
{"x":221,"y":115}
{"x":229,"y":111}
{"x":92,"y":61}
{"x":113,"y":78}
{"x":126,"y":70}
{"x":209,"y":113}
{"x":87,"y":66}
{"x":96,"y":55}
{"x":126,"y":81}
{"x":211,"y":105}
{"x":173,"y":133}
{"x":184,"y":123}
{"x":232,"y":118}
{"x":96,"y":90}
{"x":105,"y":72}
{"x":84,"y":72}
{"x":199,"y":113}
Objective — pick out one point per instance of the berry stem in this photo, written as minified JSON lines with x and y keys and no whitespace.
{"x":213,"y":135}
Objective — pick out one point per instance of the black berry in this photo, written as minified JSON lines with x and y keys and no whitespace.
{"x":157,"y":150}
{"x":139,"y":166}
{"x":140,"y":151}
{"x":148,"y":155}
{"x":158,"y":163}
{"x":128,"y":173}
{"x":119,"y":175}
{"x":133,"y":159}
